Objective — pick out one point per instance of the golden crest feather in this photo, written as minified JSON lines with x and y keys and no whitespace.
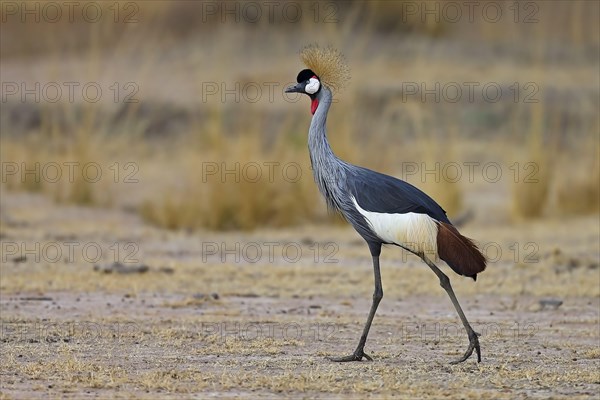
{"x":328,"y":63}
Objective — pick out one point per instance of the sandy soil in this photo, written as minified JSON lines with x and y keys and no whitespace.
{"x":196,"y":324}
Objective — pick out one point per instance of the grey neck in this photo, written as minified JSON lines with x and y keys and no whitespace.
{"x":318,"y":145}
{"x":328,"y":170}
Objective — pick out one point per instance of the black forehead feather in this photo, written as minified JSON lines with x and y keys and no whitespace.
{"x":305,"y":75}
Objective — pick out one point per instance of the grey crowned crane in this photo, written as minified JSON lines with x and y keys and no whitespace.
{"x":382,"y":209}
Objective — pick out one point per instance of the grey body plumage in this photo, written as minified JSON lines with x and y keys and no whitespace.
{"x":339,"y":181}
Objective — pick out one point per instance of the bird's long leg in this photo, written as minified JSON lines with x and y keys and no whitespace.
{"x":473,"y":336}
{"x":359,"y":353}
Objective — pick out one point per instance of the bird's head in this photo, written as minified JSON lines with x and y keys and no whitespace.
{"x":308,"y":83}
{"x":325,"y":66}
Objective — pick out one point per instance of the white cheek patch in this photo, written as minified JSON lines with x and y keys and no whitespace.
{"x":313,"y":86}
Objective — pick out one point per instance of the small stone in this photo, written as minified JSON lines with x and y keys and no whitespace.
{"x":552,"y":304}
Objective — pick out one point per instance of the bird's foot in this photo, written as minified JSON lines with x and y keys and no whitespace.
{"x":473,"y":345}
{"x":358,"y":355}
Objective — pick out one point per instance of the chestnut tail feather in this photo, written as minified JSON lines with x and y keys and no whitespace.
{"x":459,"y":252}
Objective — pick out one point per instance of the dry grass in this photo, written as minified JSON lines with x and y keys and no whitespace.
{"x":530,"y":190}
{"x":165,"y":363}
{"x":281,"y":281}
{"x":580,"y":196}
{"x":154,"y":335}
{"x":442,"y":186}
{"x":579,"y":192}
{"x":237,"y":186}
{"x":67,"y":173}
{"x":524,"y":260}
{"x":529,"y":198}
{"x":380,"y":131}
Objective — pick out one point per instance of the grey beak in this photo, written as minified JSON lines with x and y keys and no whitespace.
{"x":294,"y":89}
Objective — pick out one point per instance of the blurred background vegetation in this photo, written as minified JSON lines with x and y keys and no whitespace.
{"x":191,"y":90}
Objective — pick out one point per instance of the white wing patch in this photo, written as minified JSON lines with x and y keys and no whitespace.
{"x":313,"y":86}
{"x":417,"y":232}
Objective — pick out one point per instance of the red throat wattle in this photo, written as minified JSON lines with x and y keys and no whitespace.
{"x":313,"y":106}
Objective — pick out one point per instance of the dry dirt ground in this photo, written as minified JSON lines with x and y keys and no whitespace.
{"x":251,"y":315}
